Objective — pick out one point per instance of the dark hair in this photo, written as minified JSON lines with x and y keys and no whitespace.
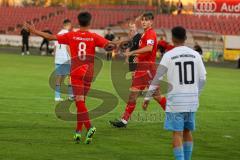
{"x":66,"y":21}
{"x":84,"y":19}
{"x":179,"y":33}
{"x":148,"y":15}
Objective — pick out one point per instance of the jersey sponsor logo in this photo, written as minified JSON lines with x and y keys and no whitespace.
{"x":83,"y":39}
{"x":183,"y":56}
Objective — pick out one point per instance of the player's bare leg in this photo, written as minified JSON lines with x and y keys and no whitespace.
{"x":187,"y":144}
{"x":178,"y":145}
{"x":128,"y":111}
{"x":160,"y":99}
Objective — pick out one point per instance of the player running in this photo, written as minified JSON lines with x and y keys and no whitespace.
{"x":187,"y":75}
{"x":82,"y":45}
{"x":145,"y":70}
{"x":62,"y":63}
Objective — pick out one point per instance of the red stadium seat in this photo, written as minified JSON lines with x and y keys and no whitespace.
{"x":105,"y":15}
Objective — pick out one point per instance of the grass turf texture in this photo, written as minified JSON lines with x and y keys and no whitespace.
{"x":30,"y":130}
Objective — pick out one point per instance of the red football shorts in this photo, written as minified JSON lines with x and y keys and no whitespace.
{"x":141,"y":80}
{"x":81,"y":81}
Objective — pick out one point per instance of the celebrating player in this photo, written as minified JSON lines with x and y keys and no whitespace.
{"x":82,"y":45}
{"x":187,"y":75}
{"x":145,"y":70}
{"x":62,"y":63}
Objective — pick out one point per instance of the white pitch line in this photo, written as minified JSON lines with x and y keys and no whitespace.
{"x":228,"y":136}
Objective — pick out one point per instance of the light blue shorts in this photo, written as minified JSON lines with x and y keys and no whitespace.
{"x":180,"y":121}
{"x":62,"y":69}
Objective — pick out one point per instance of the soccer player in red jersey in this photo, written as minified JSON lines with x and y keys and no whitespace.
{"x":82,"y":45}
{"x":145,"y":70}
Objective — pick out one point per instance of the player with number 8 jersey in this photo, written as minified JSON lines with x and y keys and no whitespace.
{"x":82,"y":44}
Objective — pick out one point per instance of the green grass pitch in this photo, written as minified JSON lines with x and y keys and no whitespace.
{"x":30,"y":130}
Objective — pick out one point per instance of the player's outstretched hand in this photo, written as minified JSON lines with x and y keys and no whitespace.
{"x":125,"y":44}
{"x":145,"y":104}
{"x":110,"y":46}
{"x":28,"y":27}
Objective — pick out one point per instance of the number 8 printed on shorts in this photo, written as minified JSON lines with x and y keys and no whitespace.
{"x":82,"y":51}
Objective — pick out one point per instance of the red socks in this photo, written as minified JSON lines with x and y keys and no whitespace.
{"x":131,"y":106}
{"x":82,"y":116}
{"x":128,"y":111}
{"x":162,"y":101}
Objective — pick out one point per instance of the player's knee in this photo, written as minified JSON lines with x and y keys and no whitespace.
{"x":156,"y":97}
{"x":187,"y":132}
{"x":177,"y":135}
{"x":58,"y":80}
{"x":79,"y":98}
{"x":177,"y":139}
{"x":187,"y":135}
{"x":132,"y":100}
{"x":132,"y":97}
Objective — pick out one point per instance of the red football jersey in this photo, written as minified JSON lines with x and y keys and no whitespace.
{"x":82,"y":46}
{"x":167,"y":47}
{"x":149,"y":38}
{"x":163,"y":43}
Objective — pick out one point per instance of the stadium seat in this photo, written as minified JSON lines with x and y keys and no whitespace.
{"x":52,"y":17}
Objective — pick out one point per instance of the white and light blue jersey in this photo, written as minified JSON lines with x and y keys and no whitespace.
{"x":184,"y":71}
{"x":61,"y":54}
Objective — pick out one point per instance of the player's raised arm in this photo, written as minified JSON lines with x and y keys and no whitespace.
{"x":33,"y":30}
{"x":106,"y":44}
{"x":110,"y":46}
{"x":123,"y":44}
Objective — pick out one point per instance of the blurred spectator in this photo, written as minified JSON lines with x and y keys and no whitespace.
{"x":179,"y":7}
{"x":45,"y":42}
{"x":198,"y":48}
{"x":109,"y":36}
{"x":25,"y":41}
